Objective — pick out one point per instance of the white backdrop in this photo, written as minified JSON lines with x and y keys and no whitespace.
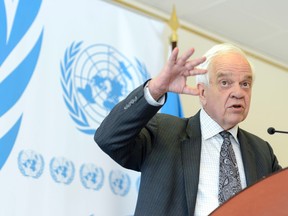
{"x":64,"y":65}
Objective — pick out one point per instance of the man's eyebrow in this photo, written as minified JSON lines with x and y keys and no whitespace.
{"x":249,"y":77}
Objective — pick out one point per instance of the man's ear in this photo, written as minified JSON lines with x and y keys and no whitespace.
{"x":202,"y":93}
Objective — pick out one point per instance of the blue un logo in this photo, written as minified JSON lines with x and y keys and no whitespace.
{"x":92,"y":177}
{"x":94,"y":80}
{"x":119,"y":182}
{"x":62,"y":170}
{"x":30,"y":163}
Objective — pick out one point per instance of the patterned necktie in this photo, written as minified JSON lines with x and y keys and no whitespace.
{"x":229,"y":179}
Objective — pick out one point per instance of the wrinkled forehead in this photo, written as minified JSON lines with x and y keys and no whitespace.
{"x":230,"y":64}
{"x":228,"y":75}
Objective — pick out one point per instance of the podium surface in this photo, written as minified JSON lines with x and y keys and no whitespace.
{"x":268,"y":196}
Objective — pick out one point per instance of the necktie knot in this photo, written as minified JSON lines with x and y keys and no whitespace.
{"x":225,"y":134}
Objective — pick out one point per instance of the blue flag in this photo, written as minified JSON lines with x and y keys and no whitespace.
{"x":173,"y":105}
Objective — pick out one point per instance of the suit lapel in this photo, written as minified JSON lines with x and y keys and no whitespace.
{"x":191,"y":152}
{"x":248,"y":158}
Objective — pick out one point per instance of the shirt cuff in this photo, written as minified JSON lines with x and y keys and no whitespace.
{"x":150,"y":99}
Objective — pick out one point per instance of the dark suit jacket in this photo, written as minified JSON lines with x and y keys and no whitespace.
{"x":166,"y":150}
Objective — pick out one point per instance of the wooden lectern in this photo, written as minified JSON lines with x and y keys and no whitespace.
{"x":267,"y":197}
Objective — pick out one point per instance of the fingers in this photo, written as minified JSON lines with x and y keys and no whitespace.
{"x":191,"y":67}
{"x":186,"y":55}
{"x":198,"y":61}
{"x":193,"y":72}
{"x":195,"y":62}
{"x":184,"y":58}
{"x":190,"y":90}
{"x":181,"y":60}
{"x":174,"y":74}
{"x":174,"y":55}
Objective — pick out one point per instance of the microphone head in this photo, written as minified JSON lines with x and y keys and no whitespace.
{"x":271,"y":130}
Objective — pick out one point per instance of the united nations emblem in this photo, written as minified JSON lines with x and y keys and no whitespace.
{"x":62,"y":170}
{"x":92,"y":177}
{"x":119,"y":182}
{"x":30,"y":163}
{"x":94,"y":80}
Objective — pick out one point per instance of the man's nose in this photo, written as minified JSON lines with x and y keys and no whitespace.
{"x":237,"y":92}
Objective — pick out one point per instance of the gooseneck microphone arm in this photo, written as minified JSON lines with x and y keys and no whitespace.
{"x":272,"y":130}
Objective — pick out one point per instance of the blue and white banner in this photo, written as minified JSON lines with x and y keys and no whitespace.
{"x":173,"y":105}
{"x":63,"y":66}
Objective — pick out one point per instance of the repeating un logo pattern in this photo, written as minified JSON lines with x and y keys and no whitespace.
{"x":95,"y":80}
{"x":30,"y":163}
{"x":120,"y":182}
{"x":13,"y":85}
{"x":92,"y":177}
{"x":62,"y":170}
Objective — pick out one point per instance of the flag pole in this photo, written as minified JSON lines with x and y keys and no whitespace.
{"x":174,"y":25}
{"x":173,"y":103}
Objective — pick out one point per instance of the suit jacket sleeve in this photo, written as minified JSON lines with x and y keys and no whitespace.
{"x":123,"y":134}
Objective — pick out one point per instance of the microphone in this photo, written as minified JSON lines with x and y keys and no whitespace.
{"x":272,"y":130}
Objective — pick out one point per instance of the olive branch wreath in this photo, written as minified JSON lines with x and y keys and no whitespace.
{"x":75,"y":111}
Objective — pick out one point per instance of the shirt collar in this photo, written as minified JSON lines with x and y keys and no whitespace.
{"x":210,"y":128}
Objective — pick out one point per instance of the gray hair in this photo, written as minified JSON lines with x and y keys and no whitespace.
{"x":217,"y":50}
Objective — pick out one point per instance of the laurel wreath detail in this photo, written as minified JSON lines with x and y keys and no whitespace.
{"x":76,"y":113}
{"x":39,"y":159}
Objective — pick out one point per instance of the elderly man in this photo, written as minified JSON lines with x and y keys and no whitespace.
{"x":189,"y":166}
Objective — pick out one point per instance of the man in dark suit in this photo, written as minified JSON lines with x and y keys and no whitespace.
{"x":179,"y":159}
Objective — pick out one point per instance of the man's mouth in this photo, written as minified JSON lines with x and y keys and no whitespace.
{"x":237,"y":106}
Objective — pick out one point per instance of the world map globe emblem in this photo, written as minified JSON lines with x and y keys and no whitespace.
{"x":119,"y":182}
{"x":92,"y":177}
{"x":62,"y":170}
{"x":30,"y":163}
{"x":102,"y":77}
